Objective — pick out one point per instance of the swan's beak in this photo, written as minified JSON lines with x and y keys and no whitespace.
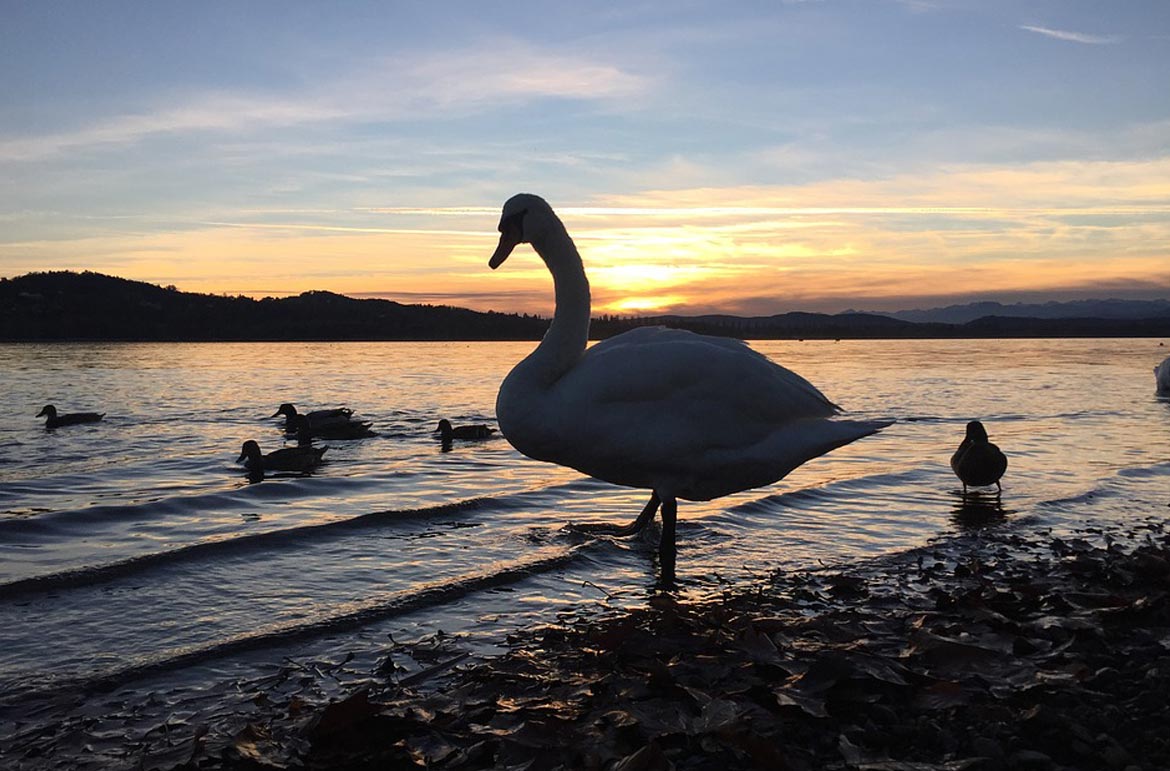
{"x":510,"y":234}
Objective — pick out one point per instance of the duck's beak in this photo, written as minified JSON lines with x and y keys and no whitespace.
{"x":242,"y":457}
{"x":511,"y":233}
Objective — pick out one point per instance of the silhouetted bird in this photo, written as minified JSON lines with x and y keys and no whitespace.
{"x":978,"y":462}
{"x":307,"y":431}
{"x":683,"y":415}
{"x":53,"y":420}
{"x":447,"y":432}
{"x":316,"y":417}
{"x":300,"y":459}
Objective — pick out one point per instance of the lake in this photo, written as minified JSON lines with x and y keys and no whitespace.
{"x":144,"y":578}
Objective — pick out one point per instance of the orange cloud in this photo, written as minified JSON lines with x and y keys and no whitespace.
{"x":828,"y":245}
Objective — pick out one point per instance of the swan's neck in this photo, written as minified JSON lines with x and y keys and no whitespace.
{"x":565,"y":340}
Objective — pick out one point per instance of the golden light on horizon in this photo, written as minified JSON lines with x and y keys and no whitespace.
{"x":1044,"y":227}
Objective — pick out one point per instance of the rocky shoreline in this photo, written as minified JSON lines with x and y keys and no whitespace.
{"x":1002,"y":648}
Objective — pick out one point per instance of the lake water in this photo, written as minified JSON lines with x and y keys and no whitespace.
{"x":143,"y":578}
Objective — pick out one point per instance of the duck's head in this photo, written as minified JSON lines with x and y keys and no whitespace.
{"x":249,"y":451}
{"x":525,"y":219}
{"x":49,"y":410}
{"x":445,"y":427}
{"x":285,"y":409}
{"x":976,"y":432}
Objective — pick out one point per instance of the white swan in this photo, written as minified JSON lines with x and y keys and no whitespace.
{"x":1162,"y":377}
{"x":683,"y":415}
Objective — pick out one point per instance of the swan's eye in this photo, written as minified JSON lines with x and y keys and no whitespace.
{"x":515,"y":222}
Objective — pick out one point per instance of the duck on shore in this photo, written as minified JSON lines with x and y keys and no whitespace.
{"x":53,"y":420}
{"x":977,"y":462}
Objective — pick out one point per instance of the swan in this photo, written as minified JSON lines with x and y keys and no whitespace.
{"x":447,"y":432}
{"x":1162,"y":377}
{"x":978,"y":462}
{"x":53,"y":420}
{"x":680,"y":414}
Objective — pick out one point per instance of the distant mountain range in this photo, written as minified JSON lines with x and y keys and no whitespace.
{"x":1076,"y":309}
{"x":91,"y":306}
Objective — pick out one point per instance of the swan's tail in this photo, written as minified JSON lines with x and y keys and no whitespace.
{"x":776,"y":456}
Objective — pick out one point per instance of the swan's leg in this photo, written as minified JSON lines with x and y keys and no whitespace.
{"x":666,"y":548}
{"x":637,"y":526}
{"x":647,"y":515}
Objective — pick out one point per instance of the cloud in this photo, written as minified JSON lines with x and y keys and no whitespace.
{"x":1073,"y":37}
{"x":475,"y":78}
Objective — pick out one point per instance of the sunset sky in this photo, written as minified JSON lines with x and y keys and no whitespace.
{"x":752,"y":157}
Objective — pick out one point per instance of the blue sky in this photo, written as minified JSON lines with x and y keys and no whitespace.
{"x":742,"y":157}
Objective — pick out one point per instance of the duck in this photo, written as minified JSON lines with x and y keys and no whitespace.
{"x":447,"y":432}
{"x":316,"y":417}
{"x":299,"y":459}
{"x":53,"y":420}
{"x":977,"y":462}
{"x":306,"y":431}
{"x":683,"y":415}
{"x":1162,"y":377}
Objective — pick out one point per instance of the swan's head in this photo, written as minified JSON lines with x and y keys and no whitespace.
{"x":976,"y":432}
{"x":524,"y":219}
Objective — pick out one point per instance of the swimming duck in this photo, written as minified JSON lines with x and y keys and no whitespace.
{"x":978,"y":462}
{"x":306,"y":431}
{"x":316,"y":417}
{"x":680,"y":414}
{"x":53,"y":420}
{"x":299,"y":459}
{"x":447,"y":432}
{"x":1162,"y":377}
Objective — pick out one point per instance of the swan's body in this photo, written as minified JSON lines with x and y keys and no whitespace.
{"x":1162,"y":377}
{"x":53,"y":420}
{"x":299,"y":459}
{"x":447,"y":432}
{"x":315,"y":418}
{"x":977,"y":462}
{"x":684,"y":415}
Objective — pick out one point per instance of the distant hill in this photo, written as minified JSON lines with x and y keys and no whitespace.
{"x":1076,"y":309}
{"x":91,"y":306}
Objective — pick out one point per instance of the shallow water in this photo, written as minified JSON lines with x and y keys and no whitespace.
{"x":136,"y":552}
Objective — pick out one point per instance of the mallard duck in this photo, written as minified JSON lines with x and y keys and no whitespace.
{"x":53,"y":420}
{"x":316,"y":417}
{"x":447,"y":432}
{"x":680,"y":414}
{"x":298,"y":459}
{"x":978,"y":462}
{"x":306,"y":431}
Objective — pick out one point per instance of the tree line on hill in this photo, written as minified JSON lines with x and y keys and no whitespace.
{"x":65,"y":305}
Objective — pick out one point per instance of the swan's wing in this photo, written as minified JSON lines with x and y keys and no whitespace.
{"x":676,"y":369}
